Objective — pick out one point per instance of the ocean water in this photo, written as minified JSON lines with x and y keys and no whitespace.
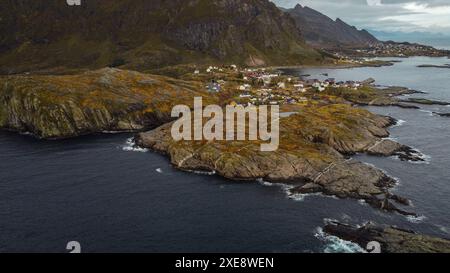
{"x":101,"y":192}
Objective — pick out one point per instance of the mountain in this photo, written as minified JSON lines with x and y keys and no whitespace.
{"x":320,"y":30}
{"x":146,"y":34}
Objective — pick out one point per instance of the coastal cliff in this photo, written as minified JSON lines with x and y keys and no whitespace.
{"x":92,"y":102}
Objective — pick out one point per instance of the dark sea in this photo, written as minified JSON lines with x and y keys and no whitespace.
{"x":109,"y":197}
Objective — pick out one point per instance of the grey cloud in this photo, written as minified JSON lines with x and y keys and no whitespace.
{"x":390,"y":16}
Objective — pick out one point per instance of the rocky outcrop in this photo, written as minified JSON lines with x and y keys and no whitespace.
{"x":391,"y":239}
{"x":387,"y":147}
{"x":434,"y":66}
{"x":426,"y":101}
{"x":310,"y":156}
{"x":142,"y":35}
{"x":442,"y":114}
{"x":91,"y":102}
{"x":370,"y":95}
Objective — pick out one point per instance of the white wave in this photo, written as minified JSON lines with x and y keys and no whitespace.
{"x":391,"y":138}
{"x":426,"y":158}
{"x":337,"y":245}
{"x":297,"y":197}
{"x":202,"y":172}
{"x":265,"y":183}
{"x":270,"y":184}
{"x":159,"y":170}
{"x":430,"y":113}
{"x":416,"y":219}
{"x":285,"y":188}
{"x":303,"y":196}
{"x":130,"y":146}
{"x":399,"y":123}
{"x":135,"y":149}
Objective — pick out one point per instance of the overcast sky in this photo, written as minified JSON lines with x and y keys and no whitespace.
{"x":384,"y":15}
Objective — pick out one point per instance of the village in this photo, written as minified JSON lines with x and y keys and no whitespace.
{"x":263,"y":86}
{"x":388,"y":49}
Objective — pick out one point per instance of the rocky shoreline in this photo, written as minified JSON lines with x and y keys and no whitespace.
{"x":373,"y":95}
{"x":447,"y":115}
{"x":391,"y":239}
{"x":425,"y":101}
{"x":316,"y":142}
{"x":317,"y":139}
{"x":434,"y":66}
{"x":313,"y":160}
{"x":341,"y":65}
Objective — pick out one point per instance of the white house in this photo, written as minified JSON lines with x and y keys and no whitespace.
{"x":245,"y":87}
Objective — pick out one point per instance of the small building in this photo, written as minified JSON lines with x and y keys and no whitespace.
{"x":245,"y":87}
{"x":245,"y":95}
{"x":214,"y":87}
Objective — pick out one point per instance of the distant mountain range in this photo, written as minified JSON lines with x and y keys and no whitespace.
{"x":320,"y":30}
{"x":146,"y":34}
{"x":438,"y":40}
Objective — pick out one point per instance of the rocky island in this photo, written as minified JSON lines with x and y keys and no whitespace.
{"x":434,"y":66}
{"x":425,"y":101}
{"x":391,"y":239}
{"x":442,"y":114}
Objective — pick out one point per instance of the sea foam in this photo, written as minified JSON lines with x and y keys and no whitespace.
{"x":399,"y":123}
{"x":430,"y":113}
{"x":337,"y":245}
{"x":416,"y":219}
{"x":130,"y":146}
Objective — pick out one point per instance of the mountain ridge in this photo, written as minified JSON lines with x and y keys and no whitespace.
{"x":148,"y":34}
{"x":320,"y":30}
